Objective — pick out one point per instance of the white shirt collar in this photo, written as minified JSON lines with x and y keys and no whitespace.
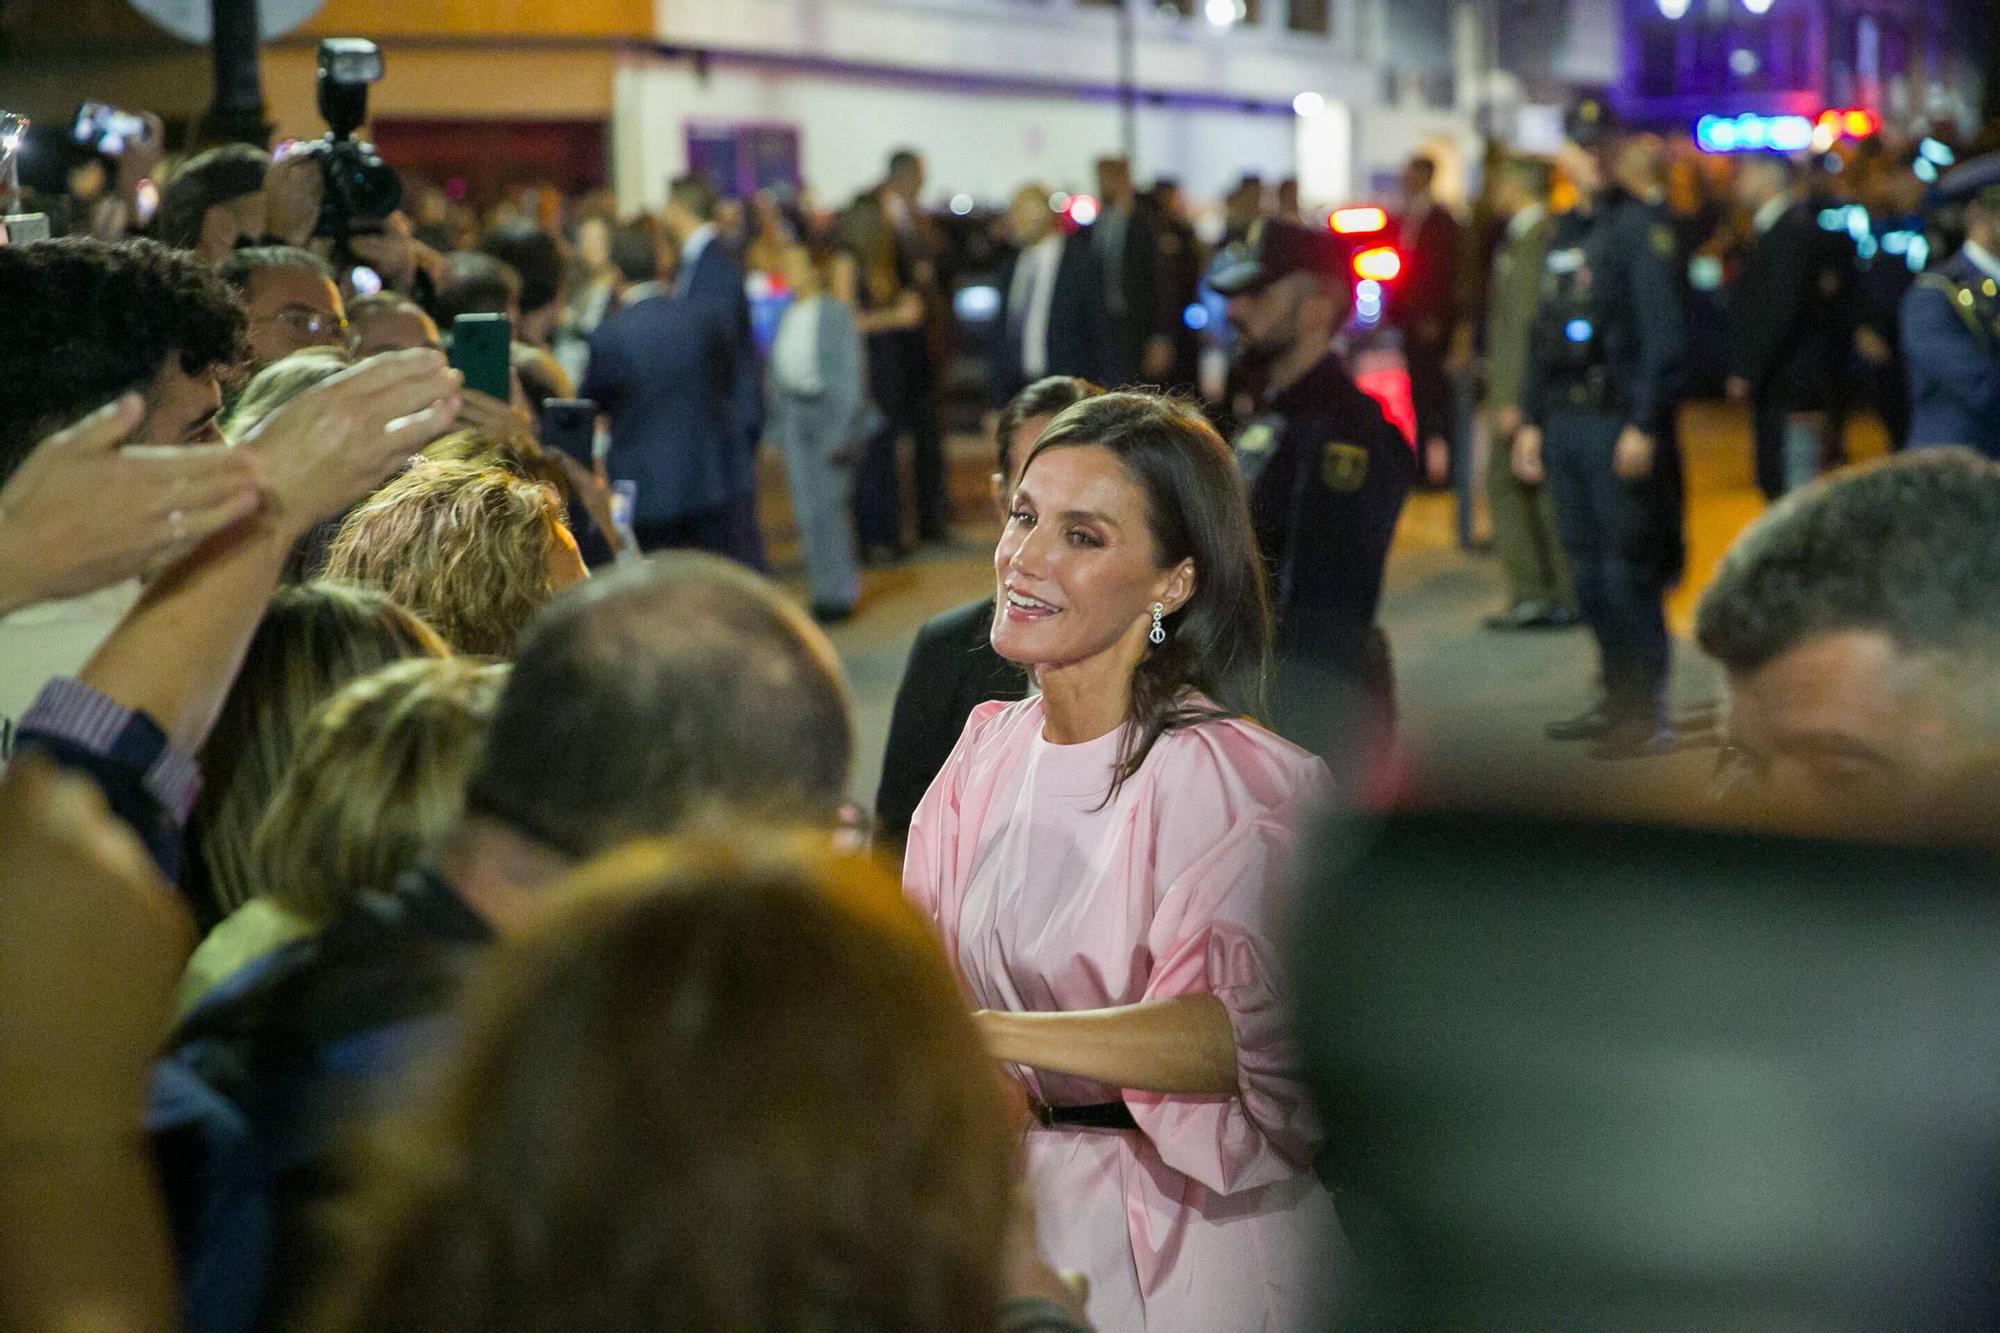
{"x":1774,"y":209}
{"x":1983,"y":259}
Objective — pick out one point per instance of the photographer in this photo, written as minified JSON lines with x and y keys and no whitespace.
{"x":236,"y":195}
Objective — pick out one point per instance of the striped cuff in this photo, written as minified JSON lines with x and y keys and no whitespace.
{"x":68,"y":710}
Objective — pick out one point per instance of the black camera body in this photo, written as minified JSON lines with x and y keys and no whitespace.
{"x":360,"y":188}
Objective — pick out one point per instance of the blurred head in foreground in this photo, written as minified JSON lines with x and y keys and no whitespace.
{"x":1858,"y":623}
{"x":642,"y":704}
{"x":718,"y":1091}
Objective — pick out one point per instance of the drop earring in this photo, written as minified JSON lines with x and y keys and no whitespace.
{"x":1159,"y":631}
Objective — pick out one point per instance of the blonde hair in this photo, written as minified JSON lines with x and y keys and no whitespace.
{"x":277,"y":384}
{"x":378,"y":781}
{"x":465,"y":545}
{"x":518,"y":452}
{"x":313,"y":639}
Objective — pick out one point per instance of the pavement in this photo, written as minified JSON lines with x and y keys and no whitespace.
{"x":1462,"y":690}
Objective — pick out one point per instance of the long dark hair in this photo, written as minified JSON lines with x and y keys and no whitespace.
{"x":1219,"y":642}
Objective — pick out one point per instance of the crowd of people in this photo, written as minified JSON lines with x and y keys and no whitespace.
{"x":434,"y":894}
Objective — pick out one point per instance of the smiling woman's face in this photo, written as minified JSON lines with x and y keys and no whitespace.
{"x":1077,"y":567}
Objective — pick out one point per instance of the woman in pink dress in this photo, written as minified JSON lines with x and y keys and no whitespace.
{"x":1104,"y":862}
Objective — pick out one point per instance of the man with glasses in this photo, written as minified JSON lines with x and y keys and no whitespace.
{"x":291,"y":300}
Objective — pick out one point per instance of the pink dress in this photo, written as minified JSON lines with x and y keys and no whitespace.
{"x":1207,"y":1220}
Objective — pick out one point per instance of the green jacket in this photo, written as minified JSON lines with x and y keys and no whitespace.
{"x":1512,"y":299}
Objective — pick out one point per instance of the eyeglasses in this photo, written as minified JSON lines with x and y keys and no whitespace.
{"x":313,"y":323}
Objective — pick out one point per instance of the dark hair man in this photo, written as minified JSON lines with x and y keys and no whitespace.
{"x":236,"y":195}
{"x":215,"y":199}
{"x":535,"y":256}
{"x":1791,"y":325}
{"x":639,"y":705}
{"x":110,"y":319}
{"x":1859,"y":624}
{"x":291,"y":299}
{"x":710,"y":271}
{"x":477,"y":284}
{"x":1327,"y":476}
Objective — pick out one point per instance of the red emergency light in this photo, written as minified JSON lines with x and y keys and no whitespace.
{"x":1381,"y":264}
{"x":1358,"y":221}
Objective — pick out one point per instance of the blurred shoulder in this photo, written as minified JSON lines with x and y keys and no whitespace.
{"x":1234,"y":765}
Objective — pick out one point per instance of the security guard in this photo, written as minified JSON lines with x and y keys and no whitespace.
{"x":1327,"y":476}
{"x":1605,"y":368}
{"x":1951,"y":324}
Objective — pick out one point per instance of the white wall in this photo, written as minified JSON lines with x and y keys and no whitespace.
{"x":977,"y":141}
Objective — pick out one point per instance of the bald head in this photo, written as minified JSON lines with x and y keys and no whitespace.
{"x":671,"y":690}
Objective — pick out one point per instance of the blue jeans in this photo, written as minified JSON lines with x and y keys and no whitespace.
{"x":1613,"y":533}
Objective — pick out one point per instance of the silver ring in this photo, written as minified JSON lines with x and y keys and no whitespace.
{"x":177,"y":525}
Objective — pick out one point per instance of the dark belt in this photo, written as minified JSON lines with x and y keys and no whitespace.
{"x":1100,"y":1115}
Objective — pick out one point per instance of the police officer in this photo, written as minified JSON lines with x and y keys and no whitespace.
{"x":1951,"y":324}
{"x":1605,"y":367}
{"x":1327,"y":475}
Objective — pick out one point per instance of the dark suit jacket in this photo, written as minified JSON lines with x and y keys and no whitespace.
{"x":718,"y":276}
{"x":1429,"y":293}
{"x":1792,"y":314}
{"x":952,"y":670}
{"x":664,"y":369}
{"x":1138,"y":280}
{"x":1079,"y":341}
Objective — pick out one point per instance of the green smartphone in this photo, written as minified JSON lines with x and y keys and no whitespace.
{"x":482,"y":350}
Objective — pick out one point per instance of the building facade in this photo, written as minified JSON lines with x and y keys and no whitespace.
{"x":1905,"y":60}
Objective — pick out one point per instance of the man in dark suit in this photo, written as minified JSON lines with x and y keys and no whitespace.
{"x":663,"y":368}
{"x":711,"y":271}
{"x":1183,"y":261}
{"x":1125,"y":238}
{"x":1052,"y":304}
{"x":1426,"y":309}
{"x":1791,"y":326}
{"x":953,"y":668}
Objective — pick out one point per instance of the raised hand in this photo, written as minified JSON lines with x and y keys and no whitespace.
{"x":86,"y":511}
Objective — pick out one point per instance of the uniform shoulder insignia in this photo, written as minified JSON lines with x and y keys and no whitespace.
{"x":1664,"y":244}
{"x":1343,"y":467}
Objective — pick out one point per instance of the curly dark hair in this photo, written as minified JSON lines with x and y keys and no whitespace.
{"x":1909,"y":548}
{"x":98,"y":320}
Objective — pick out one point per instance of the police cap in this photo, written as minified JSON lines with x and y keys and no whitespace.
{"x":1278,"y":250}
{"x":1589,"y":122}
{"x":1973,"y":182}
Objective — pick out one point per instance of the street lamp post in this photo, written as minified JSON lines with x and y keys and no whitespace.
{"x":237,"y":113}
{"x":1128,"y":83}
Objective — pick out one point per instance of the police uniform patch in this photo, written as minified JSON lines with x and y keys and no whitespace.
{"x":1344,"y":467}
{"x":1664,"y":244}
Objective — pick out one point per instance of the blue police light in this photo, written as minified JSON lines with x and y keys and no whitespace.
{"x":1195,"y":317}
{"x":1897,"y":242}
{"x":1751,"y":133}
{"x":1925,"y":170}
{"x":1938,"y":154}
{"x":1919,"y":257}
{"x":1579,"y":331}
